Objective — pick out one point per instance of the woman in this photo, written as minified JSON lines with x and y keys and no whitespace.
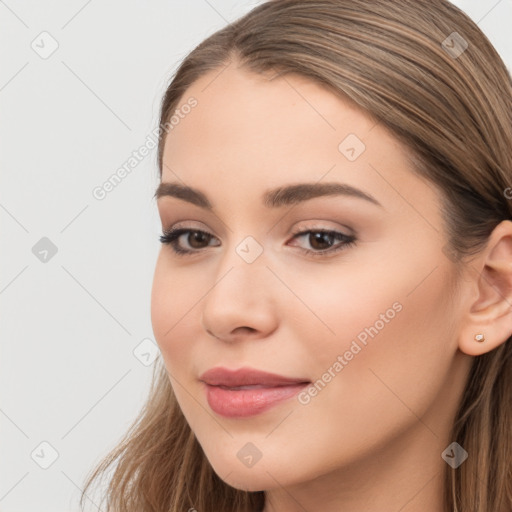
{"x":333,"y":296}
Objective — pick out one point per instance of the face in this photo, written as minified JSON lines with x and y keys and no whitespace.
{"x":349,"y":292}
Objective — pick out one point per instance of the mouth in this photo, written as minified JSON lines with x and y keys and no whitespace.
{"x":247,"y":392}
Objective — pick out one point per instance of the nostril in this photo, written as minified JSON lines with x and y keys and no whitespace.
{"x":250,"y":329}
{"x":211,"y":334}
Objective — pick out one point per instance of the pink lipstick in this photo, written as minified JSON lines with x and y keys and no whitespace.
{"x":247,"y":391}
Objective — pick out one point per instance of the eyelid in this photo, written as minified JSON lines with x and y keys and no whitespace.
{"x":312,"y":225}
{"x":323,"y":225}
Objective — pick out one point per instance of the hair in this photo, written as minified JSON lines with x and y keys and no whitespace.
{"x":453,"y":113}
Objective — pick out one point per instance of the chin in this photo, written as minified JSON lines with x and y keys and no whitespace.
{"x":248,"y":481}
{"x":259,"y":477}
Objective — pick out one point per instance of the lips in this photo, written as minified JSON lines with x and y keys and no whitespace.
{"x":247,"y":378}
{"x":246,"y":391}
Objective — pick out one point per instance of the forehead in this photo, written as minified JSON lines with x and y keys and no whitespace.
{"x":249,"y":133}
{"x":236,"y":107}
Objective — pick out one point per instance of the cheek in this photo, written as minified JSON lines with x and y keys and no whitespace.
{"x":389,"y":382}
{"x":338,"y":307}
{"x":397,"y":347}
{"x":172,"y":311}
{"x":392,"y":317}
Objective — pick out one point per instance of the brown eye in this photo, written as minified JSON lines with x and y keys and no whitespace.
{"x":321,"y":240}
{"x":196,"y":238}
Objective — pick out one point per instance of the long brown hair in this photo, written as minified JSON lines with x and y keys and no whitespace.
{"x":451,"y":106}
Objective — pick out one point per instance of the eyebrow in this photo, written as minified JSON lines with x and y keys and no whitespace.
{"x":274,"y":198}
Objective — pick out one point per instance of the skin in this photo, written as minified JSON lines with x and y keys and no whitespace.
{"x":372,"y":438}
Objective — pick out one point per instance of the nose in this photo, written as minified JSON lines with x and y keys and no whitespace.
{"x":242,"y":303}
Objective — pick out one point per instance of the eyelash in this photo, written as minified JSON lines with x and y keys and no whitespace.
{"x":170,"y":237}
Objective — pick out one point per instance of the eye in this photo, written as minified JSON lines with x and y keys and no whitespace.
{"x":321,"y":240}
{"x":324,"y":241}
{"x":172,"y":238}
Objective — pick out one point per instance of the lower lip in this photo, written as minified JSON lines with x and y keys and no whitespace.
{"x":248,"y":402}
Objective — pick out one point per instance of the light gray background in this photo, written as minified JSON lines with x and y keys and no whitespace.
{"x":70,"y":325}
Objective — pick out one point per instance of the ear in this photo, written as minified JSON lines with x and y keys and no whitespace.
{"x":489,"y":305}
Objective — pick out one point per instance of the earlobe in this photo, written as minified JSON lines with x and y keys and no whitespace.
{"x":481,"y":342}
{"x":489,"y":317}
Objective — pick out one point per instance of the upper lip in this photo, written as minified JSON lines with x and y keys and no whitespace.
{"x":219,"y":376}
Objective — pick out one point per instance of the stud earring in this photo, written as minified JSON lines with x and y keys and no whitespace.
{"x":480,"y":337}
